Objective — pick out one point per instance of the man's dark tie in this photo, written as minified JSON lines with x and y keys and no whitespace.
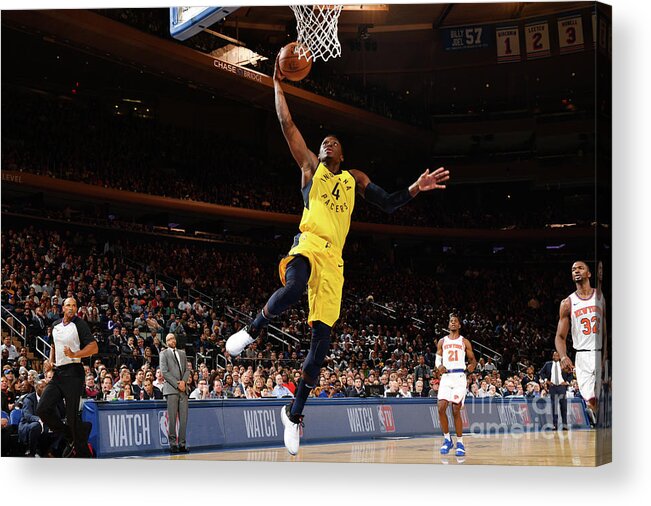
{"x":176,"y":359}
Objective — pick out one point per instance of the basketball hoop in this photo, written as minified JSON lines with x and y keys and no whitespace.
{"x":317,"y":30}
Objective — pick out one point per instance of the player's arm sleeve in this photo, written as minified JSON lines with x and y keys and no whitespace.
{"x":388,"y":202}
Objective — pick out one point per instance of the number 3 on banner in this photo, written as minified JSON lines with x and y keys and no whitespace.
{"x":571,"y":35}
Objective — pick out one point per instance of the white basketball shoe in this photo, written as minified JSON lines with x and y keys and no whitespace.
{"x":238,"y":341}
{"x":292,"y":430}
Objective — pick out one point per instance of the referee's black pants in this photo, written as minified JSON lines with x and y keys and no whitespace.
{"x":67,"y":384}
{"x":558,"y":393}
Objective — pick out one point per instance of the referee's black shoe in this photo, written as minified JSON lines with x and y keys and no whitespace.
{"x":174,"y":449}
{"x":183,"y":449}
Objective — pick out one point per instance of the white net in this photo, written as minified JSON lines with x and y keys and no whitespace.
{"x":317,"y":30}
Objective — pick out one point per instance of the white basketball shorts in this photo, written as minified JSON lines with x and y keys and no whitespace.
{"x":588,"y":373}
{"x":453,"y":387}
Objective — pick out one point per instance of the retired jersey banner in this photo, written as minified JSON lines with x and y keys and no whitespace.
{"x":467,"y":37}
{"x":508,"y":44}
{"x":603,"y":34}
{"x":594,"y":29}
{"x":537,"y":40}
{"x":570,"y":34}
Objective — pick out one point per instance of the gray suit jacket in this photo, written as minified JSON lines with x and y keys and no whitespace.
{"x":170,"y":369}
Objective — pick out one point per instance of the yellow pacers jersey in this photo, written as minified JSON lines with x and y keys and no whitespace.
{"x":329,"y":200}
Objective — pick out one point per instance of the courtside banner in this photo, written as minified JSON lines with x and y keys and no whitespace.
{"x":135,"y":428}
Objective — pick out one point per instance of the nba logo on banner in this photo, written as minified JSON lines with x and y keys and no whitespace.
{"x":163,"y":425}
{"x":522,"y":409}
{"x":385,"y":414}
{"x":576,"y":414}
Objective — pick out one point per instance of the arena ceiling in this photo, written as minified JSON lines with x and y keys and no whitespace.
{"x":387,"y":18}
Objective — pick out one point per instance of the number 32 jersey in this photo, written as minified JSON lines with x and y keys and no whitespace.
{"x":329,"y":200}
{"x":587,"y":320}
{"x":454,"y":353}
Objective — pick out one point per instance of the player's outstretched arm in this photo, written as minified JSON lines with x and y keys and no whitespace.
{"x":306,"y":160}
{"x":390,"y":202}
{"x":472,"y":361}
{"x":562,"y":330}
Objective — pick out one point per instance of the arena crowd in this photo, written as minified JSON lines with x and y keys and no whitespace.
{"x":386,"y":335}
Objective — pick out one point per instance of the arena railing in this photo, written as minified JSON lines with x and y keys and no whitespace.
{"x":389,"y":312}
{"x":484,"y":351}
{"x":46,"y":347}
{"x":21,"y":334}
{"x":270,"y":327}
{"x":204,"y":298}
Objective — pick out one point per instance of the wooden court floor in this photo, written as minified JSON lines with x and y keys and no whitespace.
{"x":574,"y":448}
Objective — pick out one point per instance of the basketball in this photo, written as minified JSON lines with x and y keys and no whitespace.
{"x":291,"y":66}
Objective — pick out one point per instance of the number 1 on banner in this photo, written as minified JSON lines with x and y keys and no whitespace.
{"x":508,"y":44}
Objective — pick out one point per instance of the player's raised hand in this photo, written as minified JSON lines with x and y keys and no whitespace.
{"x":278,"y":75}
{"x":432,"y":181}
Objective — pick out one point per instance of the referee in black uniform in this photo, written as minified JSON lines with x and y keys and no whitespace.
{"x":71,"y":341}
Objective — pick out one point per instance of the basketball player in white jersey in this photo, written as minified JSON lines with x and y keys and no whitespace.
{"x":451,"y":352}
{"x":584,"y":312}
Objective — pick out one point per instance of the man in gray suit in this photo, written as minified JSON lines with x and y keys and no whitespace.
{"x":173,"y":365}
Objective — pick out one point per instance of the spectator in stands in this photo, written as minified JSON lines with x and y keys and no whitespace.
{"x":434,"y":389}
{"x":474,"y":391}
{"x":490,"y":366}
{"x":419,"y":389}
{"x":138,"y":383}
{"x":404,"y":391}
{"x":483,"y":390}
{"x":201,"y":392}
{"x":107,"y":393}
{"x":493,"y":393}
{"x":150,"y":392}
{"x":11,"y":349}
{"x":422,"y":370}
{"x":393,"y":389}
{"x":125,"y":379}
{"x":218,"y":391}
{"x":8,"y":397}
{"x":90,"y":389}
{"x":280,"y":390}
{"x":126,"y":392}
{"x":357,"y":390}
{"x":158,"y":382}
{"x":31,"y":430}
{"x":510,"y":389}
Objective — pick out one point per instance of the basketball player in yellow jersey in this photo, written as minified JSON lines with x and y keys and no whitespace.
{"x":315,"y":257}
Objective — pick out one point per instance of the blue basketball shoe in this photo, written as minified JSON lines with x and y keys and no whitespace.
{"x":461,"y":450}
{"x":446,"y":447}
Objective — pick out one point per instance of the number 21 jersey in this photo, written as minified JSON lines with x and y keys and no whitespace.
{"x":454,"y":353}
